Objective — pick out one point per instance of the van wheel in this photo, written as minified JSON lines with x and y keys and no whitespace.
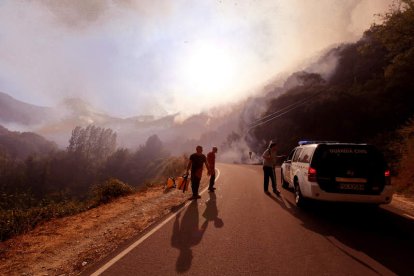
{"x":285,"y":184}
{"x":299,"y":199}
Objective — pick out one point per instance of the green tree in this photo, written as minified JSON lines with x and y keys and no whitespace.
{"x":93,"y":143}
{"x":88,"y":150}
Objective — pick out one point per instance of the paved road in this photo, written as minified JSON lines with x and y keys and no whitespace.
{"x":239,"y":230}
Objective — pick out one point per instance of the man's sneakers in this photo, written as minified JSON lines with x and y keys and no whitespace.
{"x":277,"y":192}
{"x":195,"y":197}
{"x":211,"y":189}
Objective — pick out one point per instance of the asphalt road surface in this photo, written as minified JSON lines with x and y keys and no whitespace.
{"x":239,"y":230}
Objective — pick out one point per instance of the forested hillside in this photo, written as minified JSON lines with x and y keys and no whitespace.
{"x":91,"y":171}
{"x":368,"y":96}
{"x":19,"y":145}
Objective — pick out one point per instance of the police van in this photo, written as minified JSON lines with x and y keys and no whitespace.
{"x":340,"y":172}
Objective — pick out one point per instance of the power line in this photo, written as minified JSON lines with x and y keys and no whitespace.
{"x":280,"y":112}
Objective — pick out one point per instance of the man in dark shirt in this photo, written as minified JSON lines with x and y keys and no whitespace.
{"x":196,"y":162}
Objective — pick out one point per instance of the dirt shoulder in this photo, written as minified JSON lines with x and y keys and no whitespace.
{"x":69,"y":245}
{"x":66,"y":246}
{"x":404,"y":203}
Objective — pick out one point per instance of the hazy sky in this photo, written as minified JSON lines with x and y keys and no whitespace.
{"x":137,"y":57}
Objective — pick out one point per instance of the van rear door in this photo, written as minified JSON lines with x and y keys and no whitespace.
{"x":349,"y":168}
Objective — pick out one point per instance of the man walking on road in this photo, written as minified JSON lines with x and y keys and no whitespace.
{"x":269,"y":163}
{"x":211,"y":160}
{"x":196,"y":162}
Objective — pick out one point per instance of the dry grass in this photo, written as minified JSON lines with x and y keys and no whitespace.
{"x":404,"y":180}
{"x":69,"y":245}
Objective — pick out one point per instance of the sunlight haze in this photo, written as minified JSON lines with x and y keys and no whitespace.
{"x":132,"y":58}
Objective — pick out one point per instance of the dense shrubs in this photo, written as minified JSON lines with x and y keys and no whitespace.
{"x":403,"y":176}
{"x":110,"y":189}
{"x":40,"y":188}
{"x":19,"y":220}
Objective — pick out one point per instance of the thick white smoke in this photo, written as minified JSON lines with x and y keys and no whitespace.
{"x":161,"y":57}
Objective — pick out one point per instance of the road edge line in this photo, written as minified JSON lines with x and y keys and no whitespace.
{"x":143,"y":238}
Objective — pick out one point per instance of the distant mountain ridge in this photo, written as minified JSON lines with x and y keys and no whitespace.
{"x":17,"y":112}
{"x":19,"y":145}
{"x":56,"y":124}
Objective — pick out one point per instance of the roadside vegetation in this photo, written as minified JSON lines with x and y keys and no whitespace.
{"x":369,"y":98}
{"x":91,"y":172}
{"x":404,"y":165}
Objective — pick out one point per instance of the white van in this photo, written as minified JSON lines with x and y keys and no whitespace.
{"x":341,"y":172}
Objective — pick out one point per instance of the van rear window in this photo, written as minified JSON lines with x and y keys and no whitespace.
{"x":356,"y":156}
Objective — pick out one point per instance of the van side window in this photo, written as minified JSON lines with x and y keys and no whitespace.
{"x":306,"y":154}
{"x":304,"y":158}
{"x":296,"y":155}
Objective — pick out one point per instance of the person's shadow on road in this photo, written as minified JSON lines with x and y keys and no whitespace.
{"x":211,"y":212}
{"x":187,"y":234}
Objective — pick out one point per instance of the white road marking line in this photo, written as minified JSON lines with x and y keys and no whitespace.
{"x":143,"y":238}
{"x":218,"y":175}
{"x":205,"y":189}
{"x":408,"y":216}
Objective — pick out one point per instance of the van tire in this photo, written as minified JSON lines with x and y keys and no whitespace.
{"x":285,"y":184}
{"x":299,"y":199}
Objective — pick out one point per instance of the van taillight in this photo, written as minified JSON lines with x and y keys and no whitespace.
{"x":311,"y":174}
{"x":387,"y":175}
